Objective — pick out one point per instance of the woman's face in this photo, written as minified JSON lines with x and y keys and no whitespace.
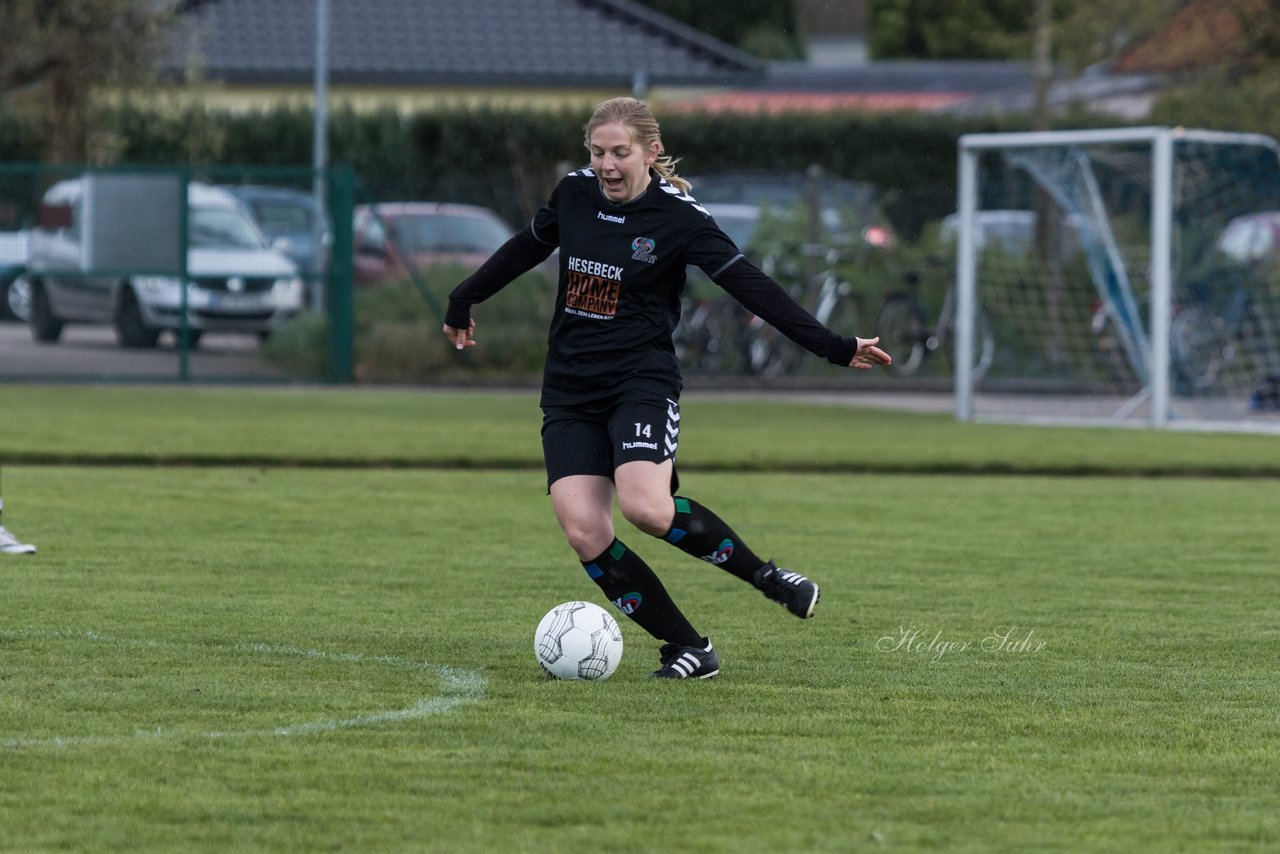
{"x":620,"y":163}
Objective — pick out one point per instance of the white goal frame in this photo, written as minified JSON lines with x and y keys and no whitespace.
{"x":1157,"y":388}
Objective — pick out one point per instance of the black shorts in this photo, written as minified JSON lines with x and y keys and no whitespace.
{"x":597,"y":437}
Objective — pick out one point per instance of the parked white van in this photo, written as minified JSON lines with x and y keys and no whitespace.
{"x":105,"y":251}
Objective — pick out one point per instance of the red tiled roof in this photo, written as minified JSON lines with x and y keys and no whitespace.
{"x":1200,"y":34}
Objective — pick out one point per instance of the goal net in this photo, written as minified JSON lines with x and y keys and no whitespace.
{"x":1128,"y":275}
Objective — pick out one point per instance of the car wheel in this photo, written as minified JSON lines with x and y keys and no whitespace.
{"x":17,"y":299}
{"x":6,"y":289}
{"x":44,"y":325}
{"x":131,"y":330}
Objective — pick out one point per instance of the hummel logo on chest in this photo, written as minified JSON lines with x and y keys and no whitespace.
{"x":610,"y":217}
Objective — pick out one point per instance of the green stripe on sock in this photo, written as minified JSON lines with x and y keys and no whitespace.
{"x":617,"y":550}
{"x":682,"y":505}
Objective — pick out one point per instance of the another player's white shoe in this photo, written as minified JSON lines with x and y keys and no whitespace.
{"x":9,"y":544}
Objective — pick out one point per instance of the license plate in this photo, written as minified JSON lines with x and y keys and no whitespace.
{"x":234,"y":302}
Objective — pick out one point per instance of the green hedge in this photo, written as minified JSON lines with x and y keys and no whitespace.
{"x":398,"y":338}
{"x":509,"y":160}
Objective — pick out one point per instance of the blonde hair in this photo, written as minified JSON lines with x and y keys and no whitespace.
{"x":636,"y":115}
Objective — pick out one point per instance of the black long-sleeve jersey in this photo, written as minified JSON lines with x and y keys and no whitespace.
{"x":622,"y":270}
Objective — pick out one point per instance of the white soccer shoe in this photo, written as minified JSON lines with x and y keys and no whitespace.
{"x":9,"y":544}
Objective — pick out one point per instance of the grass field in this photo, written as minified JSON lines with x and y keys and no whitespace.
{"x":261,"y":649}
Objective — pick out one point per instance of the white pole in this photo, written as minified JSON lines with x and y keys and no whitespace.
{"x":966,"y":285}
{"x":1161,"y":286}
{"x":320,"y":148}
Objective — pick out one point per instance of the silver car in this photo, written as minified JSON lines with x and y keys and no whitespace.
{"x":104,"y":251}
{"x":15,"y":292}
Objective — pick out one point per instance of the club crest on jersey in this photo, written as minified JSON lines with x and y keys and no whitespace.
{"x":643,"y":247}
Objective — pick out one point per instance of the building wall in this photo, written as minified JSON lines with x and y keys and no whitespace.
{"x":825,"y":18}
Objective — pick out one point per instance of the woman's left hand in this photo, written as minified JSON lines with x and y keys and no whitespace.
{"x":869,"y":355}
{"x":461,"y":338}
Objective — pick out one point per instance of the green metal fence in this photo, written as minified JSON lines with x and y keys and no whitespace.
{"x":144,"y":273}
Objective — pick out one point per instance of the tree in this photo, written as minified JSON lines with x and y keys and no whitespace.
{"x":1084,"y":31}
{"x":58,"y":57}
{"x":949,"y":29}
{"x":1087,"y":32}
{"x":1242,"y":91}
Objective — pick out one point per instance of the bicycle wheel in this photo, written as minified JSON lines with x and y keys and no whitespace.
{"x":691,"y":337}
{"x":766,"y":352}
{"x":984,"y":345}
{"x":720,"y":351}
{"x":1196,"y":348}
{"x":903,"y":334}
{"x":1250,"y":353}
{"x":839,"y":310}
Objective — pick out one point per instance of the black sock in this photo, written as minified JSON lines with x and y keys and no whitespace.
{"x":635,"y":589}
{"x":697,"y":531}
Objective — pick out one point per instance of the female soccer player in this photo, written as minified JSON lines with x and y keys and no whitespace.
{"x":627,"y":227}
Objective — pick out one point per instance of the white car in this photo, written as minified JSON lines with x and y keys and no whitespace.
{"x":105,"y":251}
{"x":1013,"y":231}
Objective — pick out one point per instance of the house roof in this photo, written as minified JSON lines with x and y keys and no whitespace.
{"x":1199,"y":34}
{"x":598,"y":43}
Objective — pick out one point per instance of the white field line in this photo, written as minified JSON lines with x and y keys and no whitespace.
{"x":459,"y":686}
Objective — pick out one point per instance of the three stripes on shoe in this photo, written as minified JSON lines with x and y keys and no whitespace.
{"x":685,"y":664}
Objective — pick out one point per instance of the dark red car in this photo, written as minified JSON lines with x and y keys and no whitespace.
{"x":392,"y":236}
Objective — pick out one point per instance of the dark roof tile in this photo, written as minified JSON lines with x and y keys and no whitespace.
{"x":548,"y":42}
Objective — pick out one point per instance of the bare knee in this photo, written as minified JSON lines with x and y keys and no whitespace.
{"x":584,"y":508}
{"x":644,"y":495}
{"x":650,"y":513}
{"x":588,"y":538}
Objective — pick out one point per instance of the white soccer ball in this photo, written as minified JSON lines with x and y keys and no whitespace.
{"x":578,"y":640}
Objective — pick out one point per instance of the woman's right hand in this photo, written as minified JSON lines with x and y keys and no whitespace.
{"x":460,"y":338}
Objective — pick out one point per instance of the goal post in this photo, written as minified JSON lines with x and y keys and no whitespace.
{"x":1132,"y":276}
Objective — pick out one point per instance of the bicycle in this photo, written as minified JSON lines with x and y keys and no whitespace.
{"x":828,"y":296}
{"x":1232,"y":346}
{"x":906,"y":334}
{"x":707,"y":339}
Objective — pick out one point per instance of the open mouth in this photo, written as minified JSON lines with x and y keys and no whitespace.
{"x":611,"y":184}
